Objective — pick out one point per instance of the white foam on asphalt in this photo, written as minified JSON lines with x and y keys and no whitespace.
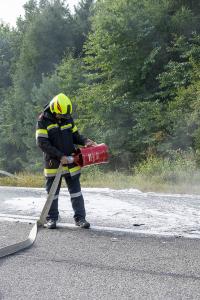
{"x":127,"y":210}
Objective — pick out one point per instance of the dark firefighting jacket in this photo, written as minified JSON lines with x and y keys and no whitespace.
{"x":57,"y":138}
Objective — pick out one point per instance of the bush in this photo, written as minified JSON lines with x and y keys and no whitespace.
{"x":179,"y":167}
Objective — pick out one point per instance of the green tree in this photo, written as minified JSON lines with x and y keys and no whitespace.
{"x":180,"y":85}
{"x":6,"y":57}
{"x":126,"y":52}
{"x":46,"y":35}
{"x":82,"y":16}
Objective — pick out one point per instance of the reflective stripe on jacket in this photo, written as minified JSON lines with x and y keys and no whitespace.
{"x":66,"y":170}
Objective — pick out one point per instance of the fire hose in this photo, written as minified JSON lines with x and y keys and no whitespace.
{"x":83,"y":157}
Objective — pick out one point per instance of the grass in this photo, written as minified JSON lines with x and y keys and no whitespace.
{"x":178,"y":174}
{"x":23,"y":180}
{"x":90,"y":177}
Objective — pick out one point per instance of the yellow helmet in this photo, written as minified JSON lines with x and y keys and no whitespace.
{"x":61,"y":105}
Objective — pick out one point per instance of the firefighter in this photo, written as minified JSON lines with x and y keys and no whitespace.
{"x":57,"y":136}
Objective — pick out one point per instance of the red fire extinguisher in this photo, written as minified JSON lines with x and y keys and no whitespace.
{"x":94,"y":155}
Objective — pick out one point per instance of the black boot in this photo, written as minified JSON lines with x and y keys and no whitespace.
{"x":82,"y":223}
{"x":51,"y":224}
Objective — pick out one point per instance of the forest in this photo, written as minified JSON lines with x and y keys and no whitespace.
{"x":131,"y":69}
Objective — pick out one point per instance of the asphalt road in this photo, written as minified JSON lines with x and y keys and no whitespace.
{"x":85,"y":264}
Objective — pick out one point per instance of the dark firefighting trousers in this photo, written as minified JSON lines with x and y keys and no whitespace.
{"x":77,"y":200}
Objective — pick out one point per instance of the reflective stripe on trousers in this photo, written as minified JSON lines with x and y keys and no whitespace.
{"x":75,"y":195}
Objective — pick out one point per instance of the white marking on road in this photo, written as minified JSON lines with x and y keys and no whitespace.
{"x":114,"y":230}
{"x":15,"y":218}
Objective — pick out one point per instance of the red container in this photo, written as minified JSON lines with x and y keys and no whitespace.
{"x":94,"y":155}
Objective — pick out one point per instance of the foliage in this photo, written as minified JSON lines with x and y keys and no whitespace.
{"x":178,"y":166}
{"x":132,"y":72}
{"x":131,"y":68}
{"x":46,"y":35}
